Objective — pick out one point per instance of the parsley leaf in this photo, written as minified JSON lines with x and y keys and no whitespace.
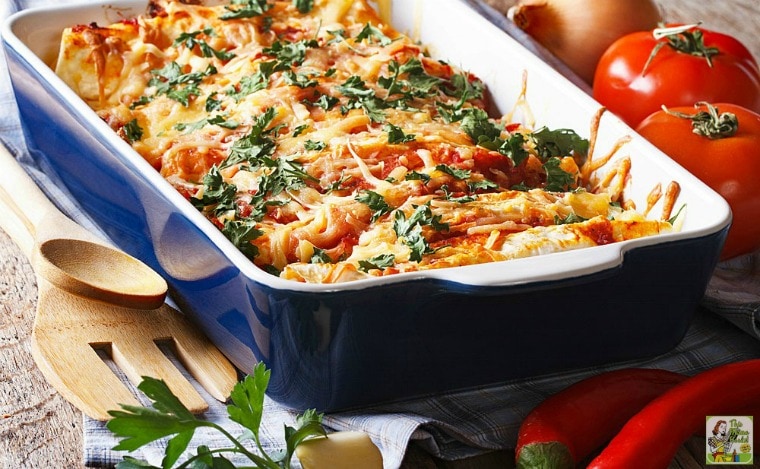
{"x":312,"y":145}
{"x":241,"y":233}
{"x":417,"y":176}
{"x":213,"y":104}
{"x":557,"y":179}
{"x":299,"y":79}
{"x":257,"y":144}
{"x":559,"y":142}
{"x":476,"y":123}
{"x":190,"y":40}
{"x":461,"y":87}
{"x":319,"y":257}
{"x":304,"y":6}
{"x":167,"y":81}
{"x":417,"y":84}
{"x":138,"y":426}
{"x":462,"y":200}
{"x":375,"y":202}
{"x":133,"y":131}
{"x":570,"y":218}
{"x":362,"y":97}
{"x":397,"y":135}
{"x":513,"y":148}
{"x":249,"y":84}
{"x":484,"y":184}
{"x":288,"y":54}
{"x":380,"y":261}
{"x":217,"y":194}
{"x":461,"y":174}
{"x":370,"y":32}
{"x":249,"y":9}
{"x":324,"y":101}
{"x":411,"y":230}
{"x":218,"y":119}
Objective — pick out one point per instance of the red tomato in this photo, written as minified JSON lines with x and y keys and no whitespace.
{"x":730,"y":165}
{"x":674,"y":78}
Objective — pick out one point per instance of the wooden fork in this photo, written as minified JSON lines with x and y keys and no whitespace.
{"x":68,"y":327}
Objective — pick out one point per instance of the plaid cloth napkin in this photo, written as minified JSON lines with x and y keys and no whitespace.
{"x":453,"y":425}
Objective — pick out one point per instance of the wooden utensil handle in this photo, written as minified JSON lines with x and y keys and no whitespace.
{"x":24,"y":206}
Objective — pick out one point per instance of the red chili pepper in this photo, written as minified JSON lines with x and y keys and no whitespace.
{"x":568,"y":426}
{"x":653,"y":435}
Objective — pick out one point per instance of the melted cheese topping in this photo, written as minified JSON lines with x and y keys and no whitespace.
{"x":328,"y":146}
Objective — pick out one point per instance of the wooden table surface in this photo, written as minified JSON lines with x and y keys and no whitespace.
{"x":39,"y":429}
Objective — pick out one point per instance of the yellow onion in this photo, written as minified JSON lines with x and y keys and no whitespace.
{"x":579,"y":31}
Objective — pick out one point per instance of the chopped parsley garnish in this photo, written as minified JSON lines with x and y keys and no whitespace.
{"x":461,"y":87}
{"x":299,"y":79}
{"x":375,"y":202}
{"x":557,"y":179}
{"x":461,"y":174}
{"x":417,"y":176}
{"x":370,"y":32}
{"x":397,"y":135}
{"x":304,"y":6}
{"x":217,"y":194}
{"x":300,"y":129}
{"x":514,"y":149}
{"x":462,"y":200}
{"x":167,"y":417}
{"x":258,"y":144}
{"x":249,"y":84}
{"x":354,"y":87}
{"x":213,"y":104}
{"x":320,"y":257}
{"x":190,"y":40}
{"x":133,"y":131}
{"x":248,"y":9}
{"x":218,"y":119}
{"x":338,"y":185}
{"x":168,"y":81}
{"x":410,"y":230}
{"x":312,"y":145}
{"x":417,"y":83}
{"x":559,"y":142}
{"x":549,"y":144}
{"x":324,"y":101}
{"x":241,"y":233}
{"x":339,"y":35}
{"x":288,"y":54}
{"x":484,"y":185}
{"x":481,"y":129}
{"x":570,"y":218}
{"x":381,"y":261}
{"x":361,"y":97}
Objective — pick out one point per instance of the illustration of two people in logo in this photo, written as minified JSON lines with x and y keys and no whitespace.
{"x":720,"y":443}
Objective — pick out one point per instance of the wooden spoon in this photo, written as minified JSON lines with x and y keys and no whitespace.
{"x":89,"y":293}
{"x":67,"y":255}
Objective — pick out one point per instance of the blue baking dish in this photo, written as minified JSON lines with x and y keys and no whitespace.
{"x":333,"y":347}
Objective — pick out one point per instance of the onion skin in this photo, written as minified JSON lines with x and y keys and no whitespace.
{"x":569,"y":426}
{"x":579,"y":31}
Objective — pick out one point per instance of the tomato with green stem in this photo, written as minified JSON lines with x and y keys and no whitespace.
{"x":719,"y":144}
{"x":675,"y":66}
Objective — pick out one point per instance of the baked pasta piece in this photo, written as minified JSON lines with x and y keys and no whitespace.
{"x":329,"y":147}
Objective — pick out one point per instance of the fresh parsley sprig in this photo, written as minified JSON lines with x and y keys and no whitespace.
{"x":168,"y":418}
